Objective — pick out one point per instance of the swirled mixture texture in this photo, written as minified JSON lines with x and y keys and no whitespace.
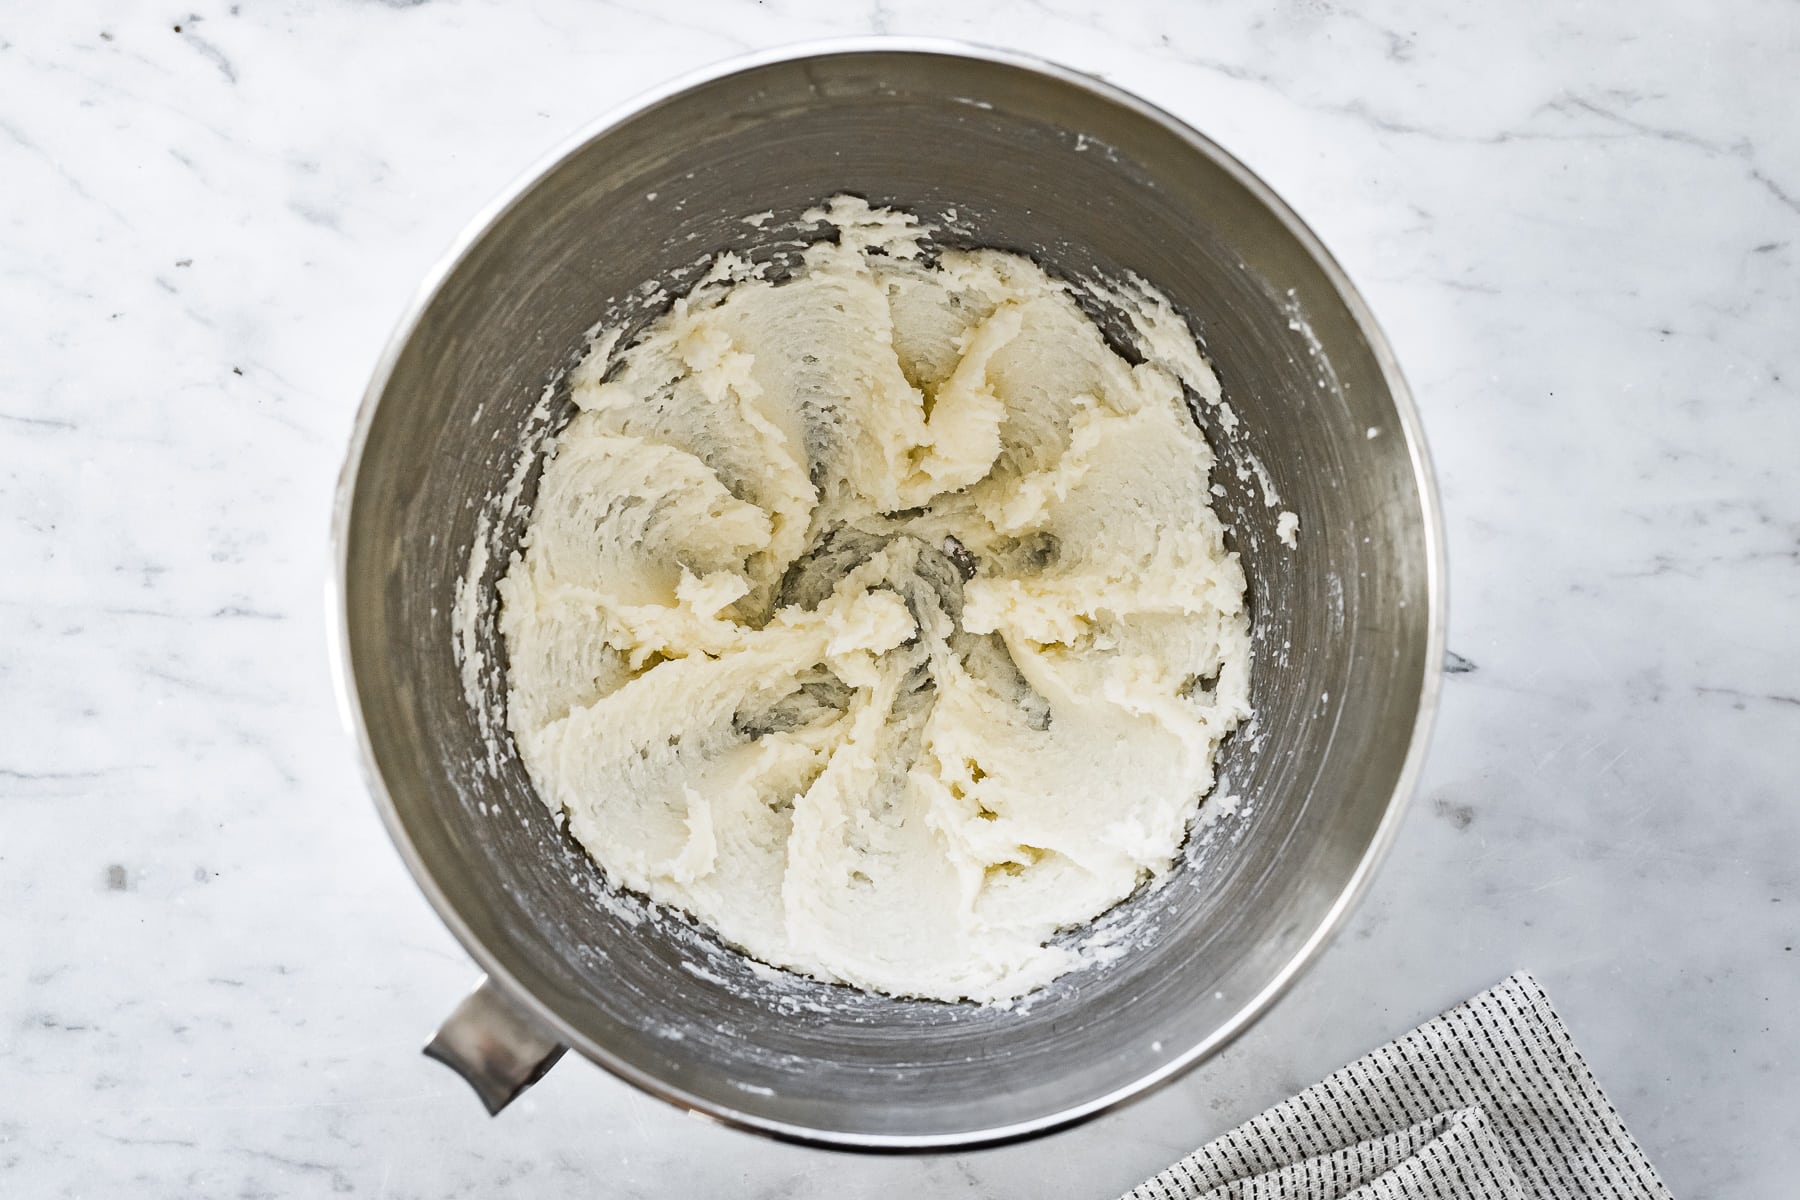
{"x":877,"y":617}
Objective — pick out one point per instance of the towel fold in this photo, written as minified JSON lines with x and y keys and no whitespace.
{"x":1490,"y":1101}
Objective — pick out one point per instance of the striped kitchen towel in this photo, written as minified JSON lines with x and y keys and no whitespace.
{"x":1490,"y":1101}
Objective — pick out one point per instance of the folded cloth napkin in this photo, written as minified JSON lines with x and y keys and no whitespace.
{"x":1490,"y":1101}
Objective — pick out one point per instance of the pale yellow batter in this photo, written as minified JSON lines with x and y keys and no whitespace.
{"x":877,"y":617}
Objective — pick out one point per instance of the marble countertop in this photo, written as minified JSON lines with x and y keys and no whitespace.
{"x":1582,"y":232}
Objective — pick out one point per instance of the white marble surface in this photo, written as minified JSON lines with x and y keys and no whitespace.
{"x":1582,"y":231}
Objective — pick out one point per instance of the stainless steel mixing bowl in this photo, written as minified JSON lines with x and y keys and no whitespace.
{"x":1091,"y":182}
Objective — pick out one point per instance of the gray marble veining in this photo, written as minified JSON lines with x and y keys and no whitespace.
{"x":1580,"y":227}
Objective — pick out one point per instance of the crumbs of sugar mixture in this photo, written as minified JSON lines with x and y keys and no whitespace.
{"x":1287,"y":528}
{"x":878,"y":617}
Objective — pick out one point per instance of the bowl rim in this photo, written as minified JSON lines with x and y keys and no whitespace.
{"x":1258,"y":1004}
